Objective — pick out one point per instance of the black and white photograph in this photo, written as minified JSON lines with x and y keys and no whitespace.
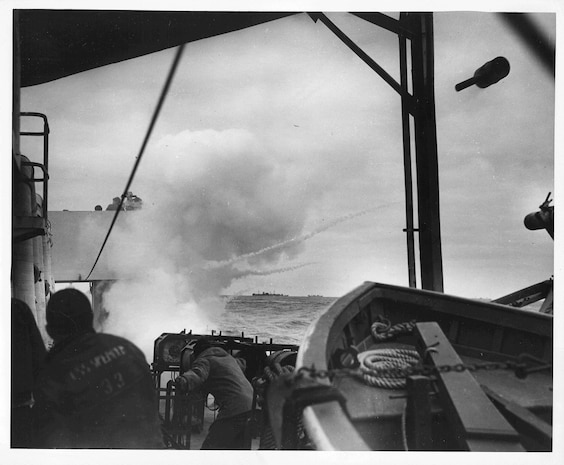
{"x":282,"y":226}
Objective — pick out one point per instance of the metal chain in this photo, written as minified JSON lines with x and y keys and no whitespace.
{"x":520,"y":369}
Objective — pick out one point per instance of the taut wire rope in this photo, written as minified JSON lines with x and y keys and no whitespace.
{"x":156,"y":112}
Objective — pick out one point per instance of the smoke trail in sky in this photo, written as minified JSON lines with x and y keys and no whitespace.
{"x":285,"y":269}
{"x":297,"y":239}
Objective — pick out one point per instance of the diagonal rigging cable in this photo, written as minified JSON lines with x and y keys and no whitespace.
{"x":143,"y":146}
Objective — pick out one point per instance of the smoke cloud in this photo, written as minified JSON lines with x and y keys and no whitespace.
{"x":215,"y":197}
{"x":219,"y":208}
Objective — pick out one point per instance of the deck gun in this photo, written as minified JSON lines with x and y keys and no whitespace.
{"x":542,"y":219}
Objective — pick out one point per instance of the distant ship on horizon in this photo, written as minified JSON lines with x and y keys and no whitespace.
{"x":269,"y":294}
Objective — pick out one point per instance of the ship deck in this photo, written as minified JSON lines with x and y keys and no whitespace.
{"x":201,"y":422}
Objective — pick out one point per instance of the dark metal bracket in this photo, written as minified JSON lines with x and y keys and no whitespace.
{"x":366,"y":58}
{"x":420,"y":105}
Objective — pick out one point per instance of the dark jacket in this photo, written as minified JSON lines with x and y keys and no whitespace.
{"x":28,"y":353}
{"x":28,"y":356}
{"x":96,"y":391}
{"x":218,"y":372}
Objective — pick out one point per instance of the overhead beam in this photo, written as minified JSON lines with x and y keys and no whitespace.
{"x":59,"y":43}
{"x":386,"y":22}
{"x":362,"y":55}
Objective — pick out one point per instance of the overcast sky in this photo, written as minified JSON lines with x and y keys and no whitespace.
{"x":276,"y":163}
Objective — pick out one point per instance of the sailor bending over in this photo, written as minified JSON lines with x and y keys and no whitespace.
{"x":216,"y":371}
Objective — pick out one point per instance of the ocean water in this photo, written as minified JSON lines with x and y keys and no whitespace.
{"x":285,"y":319}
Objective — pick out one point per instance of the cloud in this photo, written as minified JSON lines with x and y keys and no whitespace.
{"x":222,"y":193}
{"x":218,"y":209}
{"x":287,"y":128}
{"x":214,"y":196}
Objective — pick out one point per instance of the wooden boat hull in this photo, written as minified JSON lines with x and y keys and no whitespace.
{"x":479,"y":332}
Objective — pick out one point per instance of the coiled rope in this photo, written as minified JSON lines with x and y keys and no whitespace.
{"x":383,"y":330}
{"x":383,"y":367}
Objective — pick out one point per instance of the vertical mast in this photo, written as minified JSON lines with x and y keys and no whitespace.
{"x":422,"y":61}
